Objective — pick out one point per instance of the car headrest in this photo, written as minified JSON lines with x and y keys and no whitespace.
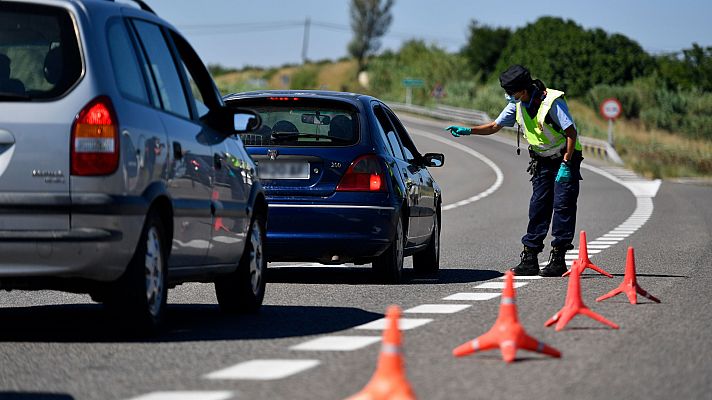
{"x":341,"y":126}
{"x":53,"y":65}
{"x":284,"y":126}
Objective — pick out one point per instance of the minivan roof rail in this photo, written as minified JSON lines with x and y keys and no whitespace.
{"x":142,"y":5}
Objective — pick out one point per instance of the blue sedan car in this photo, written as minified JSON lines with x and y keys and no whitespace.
{"x":344,"y":181}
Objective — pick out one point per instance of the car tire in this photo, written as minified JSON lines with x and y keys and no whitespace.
{"x":389,"y":265}
{"x":427,"y":261}
{"x":140,"y":295}
{"x":243,"y":290}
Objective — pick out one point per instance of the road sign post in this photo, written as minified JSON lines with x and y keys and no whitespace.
{"x":409,"y":84}
{"x":610,"y":109}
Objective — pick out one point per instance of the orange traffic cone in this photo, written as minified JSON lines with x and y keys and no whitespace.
{"x":507,"y":333}
{"x":218,"y":225}
{"x":389,"y":381}
{"x":583,"y":260}
{"x":629,"y":286}
{"x":574,"y":304}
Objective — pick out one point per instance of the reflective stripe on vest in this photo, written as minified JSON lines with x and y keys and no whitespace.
{"x":543,"y":138}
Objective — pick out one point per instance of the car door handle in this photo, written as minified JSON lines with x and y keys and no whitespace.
{"x":217,"y":161}
{"x":177,"y":151}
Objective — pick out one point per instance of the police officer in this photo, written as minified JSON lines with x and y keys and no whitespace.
{"x":555,"y":162}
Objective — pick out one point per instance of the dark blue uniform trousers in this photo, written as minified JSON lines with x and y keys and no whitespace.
{"x":550,"y":197}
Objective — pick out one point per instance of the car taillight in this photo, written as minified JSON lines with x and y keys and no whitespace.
{"x":365,"y":174}
{"x":95,"y":139}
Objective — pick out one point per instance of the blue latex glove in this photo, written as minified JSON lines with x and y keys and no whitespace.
{"x":457,"y":131}
{"x":564,"y":174}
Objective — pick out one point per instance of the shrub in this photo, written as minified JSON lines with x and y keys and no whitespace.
{"x":305,"y":78}
{"x":628,"y":95}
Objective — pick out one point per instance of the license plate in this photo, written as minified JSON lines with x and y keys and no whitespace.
{"x":283,"y":170}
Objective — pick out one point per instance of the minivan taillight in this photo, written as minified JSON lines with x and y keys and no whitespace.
{"x":95,"y":139}
{"x":365,"y":174}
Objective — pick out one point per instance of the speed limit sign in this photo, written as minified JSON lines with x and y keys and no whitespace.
{"x":610,"y":108}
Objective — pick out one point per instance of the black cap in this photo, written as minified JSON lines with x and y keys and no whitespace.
{"x":515,"y":78}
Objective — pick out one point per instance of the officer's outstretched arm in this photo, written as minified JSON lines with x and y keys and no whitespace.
{"x":486,"y":129}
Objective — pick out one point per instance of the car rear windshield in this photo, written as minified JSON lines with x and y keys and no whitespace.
{"x":302,"y":123}
{"x":39,"y":54}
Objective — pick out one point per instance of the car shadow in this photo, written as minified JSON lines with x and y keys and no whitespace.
{"x":34,"y":396}
{"x":344,"y":275}
{"x":89,"y":323}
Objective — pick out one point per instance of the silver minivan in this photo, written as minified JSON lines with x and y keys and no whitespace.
{"x":121,"y":173}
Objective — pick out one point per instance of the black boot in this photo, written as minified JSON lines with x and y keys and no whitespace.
{"x":557,"y":263}
{"x":529,"y":264}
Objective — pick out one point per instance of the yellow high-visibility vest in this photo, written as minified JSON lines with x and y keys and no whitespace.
{"x":543,"y":138}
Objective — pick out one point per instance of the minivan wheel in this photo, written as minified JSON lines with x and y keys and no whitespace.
{"x":243,"y":290}
{"x":389,"y":265}
{"x":140,"y":294}
{"x":427,"y":261}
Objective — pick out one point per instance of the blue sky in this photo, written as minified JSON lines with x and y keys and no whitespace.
{"x":267,"y":33}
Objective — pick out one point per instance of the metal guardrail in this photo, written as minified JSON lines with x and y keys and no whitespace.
{"x":599,"y":148}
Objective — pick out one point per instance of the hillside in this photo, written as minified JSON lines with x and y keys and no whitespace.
{"x":652,"y":152}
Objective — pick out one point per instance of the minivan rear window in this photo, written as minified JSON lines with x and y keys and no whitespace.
{"x":39,"y":54}
{"x":302,"y":123}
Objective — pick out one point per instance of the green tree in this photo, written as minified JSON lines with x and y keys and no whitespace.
{"x":415,"y":59}
{"x":690,"y":70}
{"x":567,"y":57}
{"x":370,"y":19}
{"x":484,"y":47}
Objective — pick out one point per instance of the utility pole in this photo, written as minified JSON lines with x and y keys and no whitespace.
{"x":305,"y":41}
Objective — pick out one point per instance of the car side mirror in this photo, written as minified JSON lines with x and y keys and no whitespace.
{"x":434,"y":159}
{"x":233,"y":120}
{"x":246,"y":121}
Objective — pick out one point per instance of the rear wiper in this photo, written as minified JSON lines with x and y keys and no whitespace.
{"x":294,"y":135}
{"x":13,"y":96}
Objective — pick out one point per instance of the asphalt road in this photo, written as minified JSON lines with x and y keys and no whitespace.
{"x":64,"y":346}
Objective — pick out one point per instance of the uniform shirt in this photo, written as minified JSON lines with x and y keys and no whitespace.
{"x":559,"y":112}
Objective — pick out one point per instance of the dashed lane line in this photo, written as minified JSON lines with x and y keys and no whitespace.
{"x":437,"y":308}
{"x":267,"y":369}
{"x":187,"y":395}
{"x":524,"y":277}
{"x":337,"y":343}
{"x":498,"y":285}
{"x":472,"y":296}
{"x":404,"y":324}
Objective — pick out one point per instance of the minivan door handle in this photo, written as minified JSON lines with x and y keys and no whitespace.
{"x":217,"y":161}
{"x":177,"y":151}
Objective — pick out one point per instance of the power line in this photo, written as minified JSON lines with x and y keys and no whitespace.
{"x":246,"y":27}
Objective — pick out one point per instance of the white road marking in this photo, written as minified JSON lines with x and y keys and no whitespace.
{"x":608,"y":243}
{"x":437,"y":308}
{"x":498,"y":285}
{"x":524,"y":277}
{"x":263,"y":369}
{"x":337,"y":343}
{"x":592,"y":246}
{"x":498,"y":172}
{"x":472,"y":296}
{"x":404,"y":324}
{"x":187,"y":395}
